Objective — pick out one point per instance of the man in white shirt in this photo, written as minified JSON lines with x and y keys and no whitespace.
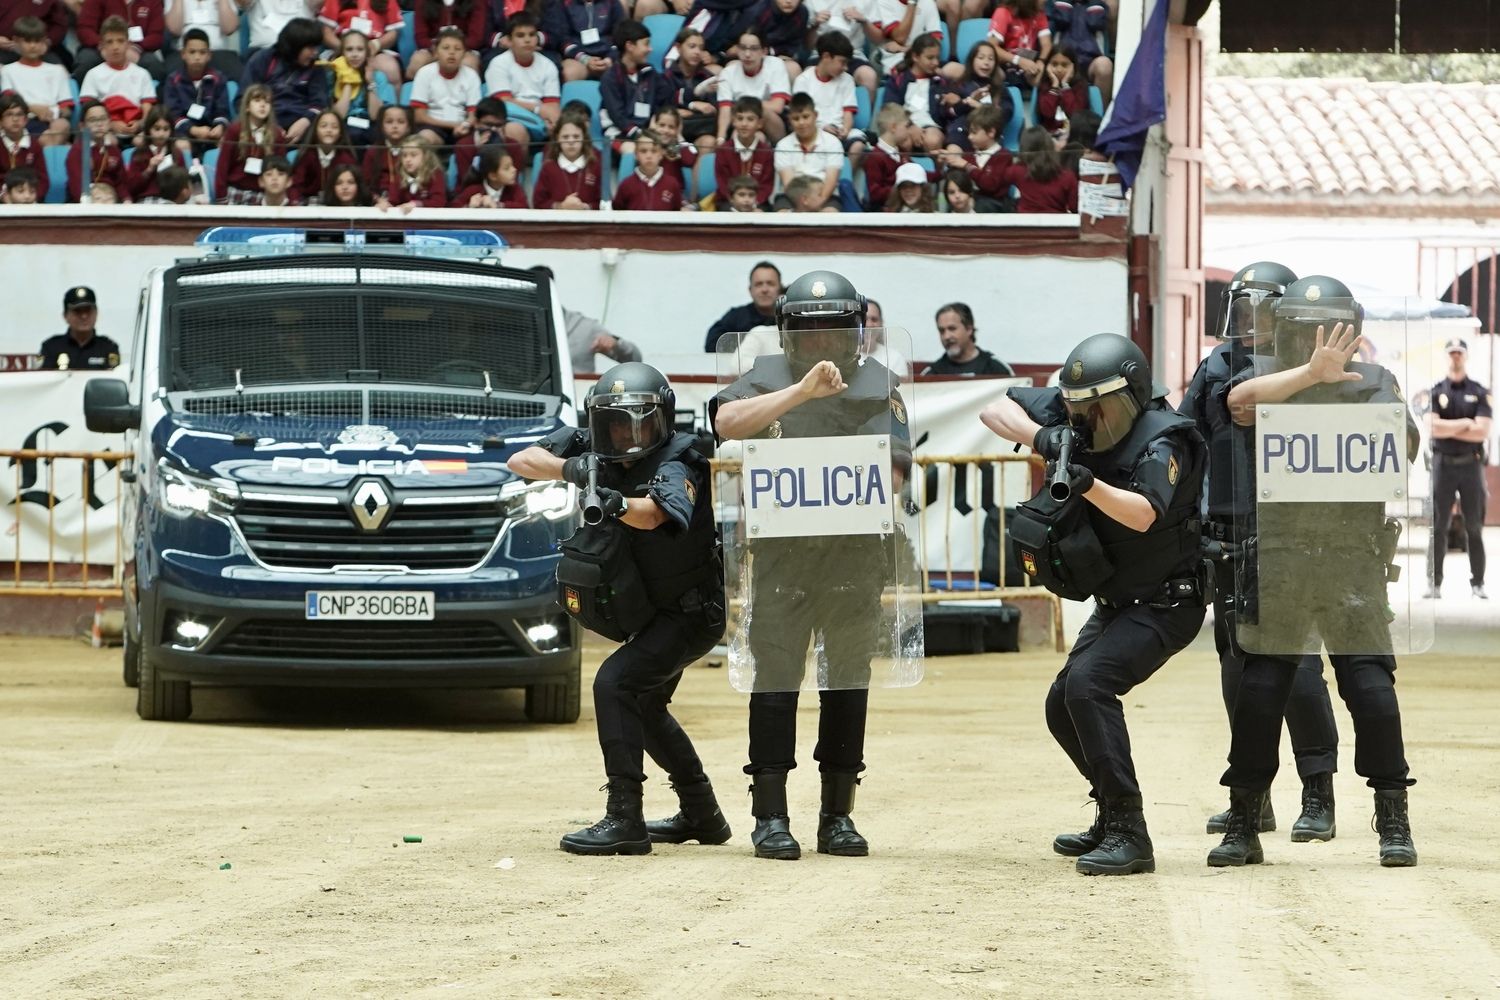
{"x":811,"y":152}
{"x":753,"y":75}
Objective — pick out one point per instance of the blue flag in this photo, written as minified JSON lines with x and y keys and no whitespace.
{"x":1140,"y":100}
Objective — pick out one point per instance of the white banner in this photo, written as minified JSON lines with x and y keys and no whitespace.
{"x":1329,"y":454}
{"x":805,"y":487}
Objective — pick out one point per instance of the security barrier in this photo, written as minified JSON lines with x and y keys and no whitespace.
{"x":77,"y":571}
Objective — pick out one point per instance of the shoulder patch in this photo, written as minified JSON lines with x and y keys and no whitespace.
{"x":898,"y":411}
{"x":1172,"y":469}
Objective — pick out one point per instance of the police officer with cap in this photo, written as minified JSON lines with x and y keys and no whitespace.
{"x":1459,"y":426}
{"x":80,"y":347}
{"x":1328,"y":572}
{"x":647,"y":572}
{"x":823,"y":588}
{"x":1246,"y":321}
{"x":1118,"y":521}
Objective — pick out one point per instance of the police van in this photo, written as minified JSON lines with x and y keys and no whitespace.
{"x":319,"y":424}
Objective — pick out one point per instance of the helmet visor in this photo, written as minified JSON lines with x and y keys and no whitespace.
{"x":1102,"y":421}
{"x":809,"y":340}
{"x":1245,"y":312}
{"x":628,"y":426}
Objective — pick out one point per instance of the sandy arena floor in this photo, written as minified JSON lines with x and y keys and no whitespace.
{"x":115,"y":831}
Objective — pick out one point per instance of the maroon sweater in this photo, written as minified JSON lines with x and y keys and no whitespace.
{"x":513,"y":196}
{"x":553,"y":184}
{"x":107,"y":166}
{"x":231,"y":169}
{"x":144,"y":14}
{"x":635,"y":194}
{"x":433,"y":194}
{"x":140,"y":176}
{"x":309,"y":175}
{"x":761,"y":167}
{"x":1060,"y":194}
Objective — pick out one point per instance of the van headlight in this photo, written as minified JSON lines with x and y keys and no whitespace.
{"x":552,"y":500}
{"x":184,"y":495}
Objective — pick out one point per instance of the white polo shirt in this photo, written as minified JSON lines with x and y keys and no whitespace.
{"x":448,"y":99}
{"x":827,"y":152}
{"x":508,"y":78}
{"x":888,"y":14}
{"x":833,"y":97}
{"x":46,"y":83}
{"x":837,"y":22}
{"x":770,"y":82}
{"x":132,"y":83}
{"x":268,"y":17}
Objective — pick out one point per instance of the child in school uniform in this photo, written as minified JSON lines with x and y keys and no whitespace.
{"x":492,"y":182}
{"x":325,"y":146}
{"x":690,"y":82}
{"x":569,"y":177}
{"x":523,"y":77}
{"x":106,"y":164}
{"x":1044,"y":183}
{"x":832,"y":90}
{"x":745,"y":154}
{"x":345,"y":188}
{"x":396,"y":123}
{"x":276,"y":183}
{"x":354,"y":89}
{"x":429,"y":17}
{"x":20,"y":187}
{"x":42,"y":85}
{"x":1067,"y":92}
{"x":445,"y":92}
{"x":743,"y":195}
{"x":156,"y":153}
{"x":196,"y":96}
{"x":489,"y":129}
{"x":126,"y":90}
{"x":893,"y":124}
{"x":18,"y":148}
{"x":651,"y":187}
{"x":380,"y":22}
{"x":917,"y":84}
{"x":987,"y":161}
{"x":246,"y":146}
{"x":678,"y":155}
{"x":418,"y":181}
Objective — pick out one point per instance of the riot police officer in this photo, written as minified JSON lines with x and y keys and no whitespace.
{"x":827,"y":588}
{"x":1118,"y":522}
{"x":1459,"y":425}
{"x":647,"y":572}
{"x":1246,"y":318}
{"x":1322,"y":572}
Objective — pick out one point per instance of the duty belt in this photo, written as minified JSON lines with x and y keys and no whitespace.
{"x":1446,"y":458}
{"x":1174,"y":593}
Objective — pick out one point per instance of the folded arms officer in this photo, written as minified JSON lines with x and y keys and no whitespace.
{"x":1459,"y":425}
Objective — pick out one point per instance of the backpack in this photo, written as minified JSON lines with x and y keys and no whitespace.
{"x":1058,"y":547}
{"x":599,"y":584}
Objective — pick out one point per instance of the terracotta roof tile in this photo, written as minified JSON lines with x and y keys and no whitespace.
{"x":1300,"y":138}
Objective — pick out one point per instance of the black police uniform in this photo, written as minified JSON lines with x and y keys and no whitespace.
{"x":679,"y":566}
{"x":1458,"y":471}
{"x":1230,"y":506}
{"x":798,"y":594}
{"x":1141,"y":619}
{"x":99,"y":354}
{"x":1339,"y":596}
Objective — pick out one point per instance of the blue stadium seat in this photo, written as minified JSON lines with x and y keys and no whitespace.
{"x":406,"y":41}
{"x":925,"y":162}
{"x":452,"y":176}
{"x":1096,"y":101}
{"x":586,"y":91}
{"x":77,"y":101}
{"x":971,"y":31}
{"x":627,"y":164}
{"x":384,"y":90}
{"x":210,"y":167}
{"x":291,"y":154}
{"x":234,"y":99}
{"x":664,"y":29}
{"x":56,"y":159}
{"x":244,"y":38}
{"x":1010,"y":136}
{"x":943,"y":46}
{"x":405,"y":94}
{"x":126,"y":154}
{"x":703,"y":175}
{"x":863,"y":117}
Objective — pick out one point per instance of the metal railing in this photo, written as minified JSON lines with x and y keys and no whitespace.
{"x":32,"y":576}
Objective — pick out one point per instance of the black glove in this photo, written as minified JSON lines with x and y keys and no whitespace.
{"x":613,"y":501}
{"x":1049,"y":441}
{"x":1080,"y":479}
{"x":575,"y":471}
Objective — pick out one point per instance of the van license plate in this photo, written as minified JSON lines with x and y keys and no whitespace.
{"x":370,"y":605}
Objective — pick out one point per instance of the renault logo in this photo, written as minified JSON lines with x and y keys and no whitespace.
{"x":370,"y":505}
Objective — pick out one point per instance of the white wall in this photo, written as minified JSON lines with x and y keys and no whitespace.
{"x":1030,"y":309}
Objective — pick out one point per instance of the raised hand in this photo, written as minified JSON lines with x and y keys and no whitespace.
{"x":1328,"y":359}
{"x":823,"y":380}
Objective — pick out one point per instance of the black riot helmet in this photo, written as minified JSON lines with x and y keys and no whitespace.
{"x":630,"y":412}
{"x":820,"y":317}
{"x":1308,"y":303}
{"x":1105,"y":384}
{"x":1247,"y":309}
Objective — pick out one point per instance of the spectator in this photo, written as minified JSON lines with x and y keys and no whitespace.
{"x":569,"y":177}
{"x":721,"y":22}
{"x":523,"y":77}
{"x":419,"y":181}
{"x":125,"y":90}
{"x":195,"y":97}
{"x":832,"y":89}
{"x":690,"y":83}
{"x":106,"y":165}
{"x":651,"y":187}
{"x":853,"y":20}
{"x":749,"y":154}
{"x":1021,"y":31}
{"x":987,"y":162}
{"x":429,"y":17}
{"x":1077,"y":23}
{"x":345,"y":188}
{"x":744,"y":195}
{"x":489,"y":130}
{"x":893,"y":125}
{"x":382,"y":27}
{"x":498,"y":21}
{"x":1083,"y":130}
{"x":145,"y":32}
{"x":980,"y":85}
{"x":811,"y":152}
{"x":581,"y":32}
{"x":276,"y":183}
{"x":218,"y":21}
{"x":765,"y":287}
{"x":913,"y":193}
{"x":156,"y":153}
{"x":963,"y":197}
{"x":630,"y":90}
{"x":20,"y":187}
{"x":783,"y":25}
{"x":103,"y":194}
{"x":81,"y":346}
{"x":247,"y":144}
{"x":174,"y":186}
{"x":445,"y":93}
{"x":961,"y":353}
{"x":353,"y":87}
{"x":325,"y":147}
{"x":268,"y":17}
{"x":587,"y":338}
{"x":54,"y":15}
{"x":1045,"y":184}
{"x":299,"y":87}
{"x":1067,"y":92}
{"x":492,"y":182}
{"x":396,"y":123}
{"x":752,"y":75}
{"x":44,"y":86}
{"x":801,"y":195}
{"x":17,"y":149}
{"x":900,"y":24}
{"x":918,"y":86}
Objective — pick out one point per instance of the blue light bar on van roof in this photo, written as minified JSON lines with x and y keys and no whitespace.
{"x":256,"y":241}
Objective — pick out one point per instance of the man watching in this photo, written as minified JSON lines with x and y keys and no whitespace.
{"x":80,"y":347}
{"x":765,"y":286}
{"x":961,"y":354}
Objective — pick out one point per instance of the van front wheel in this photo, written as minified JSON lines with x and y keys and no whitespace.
{"x":556,"y":703}
{"x":161,"y":700}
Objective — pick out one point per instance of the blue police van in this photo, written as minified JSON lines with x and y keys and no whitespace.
{"x":319,"y":423}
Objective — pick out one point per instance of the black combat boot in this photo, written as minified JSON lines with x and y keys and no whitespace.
{"x":836,"y":833}
{"x":1216,"y":822}
{"x":1394,"y":827}
{"x":1072,"y":845}
{"x":1241,"y":844}
{"x":698,"y":818}
{"x":772,"y":836}
{"x":621,"y":831}
{"x":1126,"y":847}
{"x":1316,"y":821}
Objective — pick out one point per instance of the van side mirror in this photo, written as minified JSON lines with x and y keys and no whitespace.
{"x":107,"y":408}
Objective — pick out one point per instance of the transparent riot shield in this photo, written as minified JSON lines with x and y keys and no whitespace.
{"x":1329,"y":555}
{"x":821,"y":574}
